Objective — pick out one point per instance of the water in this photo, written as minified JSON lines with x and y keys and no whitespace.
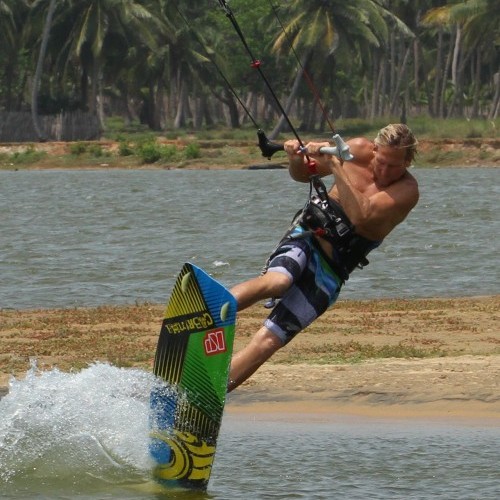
{"x":84,"y":238}
{"x":115,"y":237}
{"x":84,"y":436}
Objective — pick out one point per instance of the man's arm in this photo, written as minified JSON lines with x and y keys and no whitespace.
{"x":360,"y":148}
{"x":298,"y":168}
{"x":375,"y":216}
{"x":356,"y":205}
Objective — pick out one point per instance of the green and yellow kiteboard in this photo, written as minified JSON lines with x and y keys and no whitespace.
{"x":193,"y":357}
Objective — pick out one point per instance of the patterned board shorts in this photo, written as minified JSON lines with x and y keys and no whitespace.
{"x":315,"y":286}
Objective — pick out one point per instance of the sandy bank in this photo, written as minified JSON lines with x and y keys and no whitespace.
{"x":388,"y":358}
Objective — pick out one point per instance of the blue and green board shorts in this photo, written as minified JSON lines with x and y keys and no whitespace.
{"x":315,"y":286}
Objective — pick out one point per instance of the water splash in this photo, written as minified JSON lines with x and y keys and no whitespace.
{"x":78,"y":429}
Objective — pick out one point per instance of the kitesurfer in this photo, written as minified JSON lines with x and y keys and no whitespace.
{"x":328,"y":238}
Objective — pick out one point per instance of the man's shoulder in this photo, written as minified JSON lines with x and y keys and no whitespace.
{"x":360,"y":141}
{"x":408,"y":189}
{"x":410,"y":180}
{"x":361,"y":149}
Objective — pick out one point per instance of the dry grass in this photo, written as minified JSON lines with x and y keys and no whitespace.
{"x":350,"y":332}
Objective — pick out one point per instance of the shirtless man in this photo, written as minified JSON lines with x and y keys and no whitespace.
{"x":371,"y":195}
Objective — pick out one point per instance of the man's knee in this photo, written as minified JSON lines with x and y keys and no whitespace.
{"x":268,"y":342}
{"x":279,"y":282}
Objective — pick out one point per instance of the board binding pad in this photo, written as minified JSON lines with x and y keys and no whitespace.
{"x":192,"y":358}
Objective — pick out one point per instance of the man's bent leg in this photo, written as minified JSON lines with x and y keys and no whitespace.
{"x":284,"y":267}
{"x":271,"y":284}
{"x":246,"y":362}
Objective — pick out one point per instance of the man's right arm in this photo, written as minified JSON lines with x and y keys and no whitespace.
{"x":298,"y":168}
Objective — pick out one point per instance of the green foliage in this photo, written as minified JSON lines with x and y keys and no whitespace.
{"x":27,"y":157}
{"x":192,"y":151}
{"x":96,"y":150}
{"x":152,"y":152}
{"x":91,"y":149}
{"x":77,"y":148}
{"x":168,"y":152}
{"x":124,"y":149}
{"x":149,"y":152}
{"x":435,"y":128}
{"x":143,"y":56}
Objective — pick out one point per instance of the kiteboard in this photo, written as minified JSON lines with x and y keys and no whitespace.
{"x":192,"y":359}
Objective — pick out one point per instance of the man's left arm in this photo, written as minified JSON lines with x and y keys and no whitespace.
{"x":376,"y":216}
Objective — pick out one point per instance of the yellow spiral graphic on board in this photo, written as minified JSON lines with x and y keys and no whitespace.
{"x":191,"y":457}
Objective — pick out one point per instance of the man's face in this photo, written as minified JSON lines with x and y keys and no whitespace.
{"x":390,"y":164}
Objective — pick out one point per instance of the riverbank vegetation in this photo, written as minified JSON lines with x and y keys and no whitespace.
{"x":160,"y":63}
{"x":451,"y":142}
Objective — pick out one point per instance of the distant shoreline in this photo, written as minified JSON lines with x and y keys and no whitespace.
{"x":225,"y":155}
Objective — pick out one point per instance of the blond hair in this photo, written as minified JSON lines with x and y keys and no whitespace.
{"x":398,"y":135}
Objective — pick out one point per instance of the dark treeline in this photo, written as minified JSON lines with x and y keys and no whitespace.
{"x":159,"y":61}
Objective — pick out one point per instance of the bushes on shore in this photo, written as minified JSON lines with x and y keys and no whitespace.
{"x":464,"y":142}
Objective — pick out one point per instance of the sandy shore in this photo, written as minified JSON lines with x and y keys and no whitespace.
{"x":455,"y":387}
{"x":436,"y":358}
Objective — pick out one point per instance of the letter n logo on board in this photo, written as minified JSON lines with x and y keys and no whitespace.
{"x":215,"y":342}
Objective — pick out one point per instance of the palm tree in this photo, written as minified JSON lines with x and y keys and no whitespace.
{"x":476,"y":24}
{"x":7,"y":32}
{"x":329,"y":27}
{"x":12,"y":22}
{"x":82,"y":32}
{"x":6,"y":20}
{"x":481,"y":36}
{"x":186,"y":61}
{"x":39,"y":67}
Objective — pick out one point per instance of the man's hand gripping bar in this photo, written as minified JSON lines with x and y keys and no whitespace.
{"x":340,"y":150}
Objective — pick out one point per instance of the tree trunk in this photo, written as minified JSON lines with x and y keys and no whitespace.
{"x":100,"y":102}
{"x":439,"y":76}
{"x":416,"y":68}
{"x":155,"y":104}
{"x":96,"y":70}
{"x":392,"y":66}
{"x":444,"y":82}
{"x":375,"y":85}
{"x":234,"y":117}
{"x":399,"y":81}
{"x":458,"y":94}
{"x":456,"y":55}
{"x":476,"y":86}
{"x":182,"y":107}
{"x":454,"y":70}
{"x":207,"y":114}
{"x":383,"y":91}
{"x":291,"y":98}
{"x":493,"y":114}
{"x":39,"y":69}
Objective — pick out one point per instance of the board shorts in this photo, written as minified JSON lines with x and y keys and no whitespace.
{"x":315,"y":286}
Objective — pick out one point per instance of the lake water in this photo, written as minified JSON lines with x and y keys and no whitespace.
{"x":84,"y":436}
{"x":84,"y":238}
{"x":87,"y":238}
